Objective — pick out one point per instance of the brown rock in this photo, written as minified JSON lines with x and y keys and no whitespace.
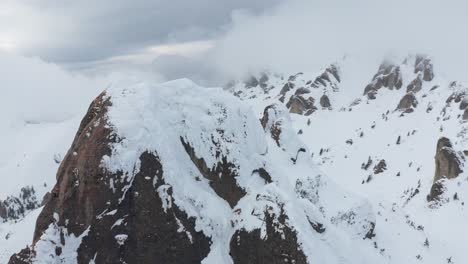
{"x":299,"y":105}
{"x":330,"y":77}
{"x":408,"y":102}
{"x":448,"y":165}
{"x":388,"y":76}
{"x":225,"y":186}
{"x":83,"y":192}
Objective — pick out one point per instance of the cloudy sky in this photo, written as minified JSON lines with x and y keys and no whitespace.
{"x":107,"y":31}
{"x":205,"y":38}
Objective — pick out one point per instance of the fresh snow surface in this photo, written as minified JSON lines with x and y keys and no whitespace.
{"x":156,"y":117}
{"x":404,"y":219}
{"x":14,"y":236}
{"x":403,"y":222}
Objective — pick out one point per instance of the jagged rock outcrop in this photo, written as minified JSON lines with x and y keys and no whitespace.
{"x":424,"y":65}
{"x":225,"y":186}
{"x":408,"y":103}
{"x":330,"y":77}
{"x":388,"y":76}
{"x":458,"y":97}
{"x":448,"y":165}
{"x":300,"y":105}
{"x":415,"y":85}
{"x":380,"y":167}
{"x":448,"y":162}
{"x":286,"y":88}
{"x":325,"y":101}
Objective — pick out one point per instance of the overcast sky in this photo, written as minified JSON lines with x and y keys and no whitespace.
{"x":204,"y":39}
{"x":71,"y":31}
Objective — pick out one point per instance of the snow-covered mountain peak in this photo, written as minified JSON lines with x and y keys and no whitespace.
{"x":208,"y":174}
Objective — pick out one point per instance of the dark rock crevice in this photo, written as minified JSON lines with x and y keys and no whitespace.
{"x":222,"y":177}
{"x":279,"y":246}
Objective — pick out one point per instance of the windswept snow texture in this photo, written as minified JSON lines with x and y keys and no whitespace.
{"x":348,"y":150}
{"x":348,"y":140}
{"x":330,"y":223}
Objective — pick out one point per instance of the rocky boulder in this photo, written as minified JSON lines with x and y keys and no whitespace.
{"x":388,"y":76}
{"x":325,"y":102}
{"x":380,"y":167}
{"x":415,"y":85}
{"x":424,"y":65}
{"x":448,"y":165}
{"x":300,"y":105}
{"x":408,"y":103}
{"x":448,"y":162}
{"x":329,"y":78}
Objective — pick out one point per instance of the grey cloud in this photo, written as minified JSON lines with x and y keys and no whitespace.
{"x":86,"y":30}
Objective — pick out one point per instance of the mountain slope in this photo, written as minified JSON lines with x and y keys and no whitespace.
{"x":193,"y":175}
{"x":378,"y":137}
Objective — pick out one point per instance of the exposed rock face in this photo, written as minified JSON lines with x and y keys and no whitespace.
{"x":424,"y":65}
{"x":299,"y":105}
{"x":329,"y":77}
{"x":226,"y":186}
{"x":380,"y":167}
{"x":325,"y":101}
{"x":286,"y":88}
{"x":415,"y":85}
{"x":448,"y":162}
{"x":448,"y":165}
{"x":81,"y":199}
{"x":407,"y":103}
{"x":388,"y":76}
{"x":279,"y":245}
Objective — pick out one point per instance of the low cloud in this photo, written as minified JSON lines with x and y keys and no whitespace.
{"x":300,"y":35}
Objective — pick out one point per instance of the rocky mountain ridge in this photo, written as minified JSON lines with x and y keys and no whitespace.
{"x":304,"y":168}
{"x":381,"y":140}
